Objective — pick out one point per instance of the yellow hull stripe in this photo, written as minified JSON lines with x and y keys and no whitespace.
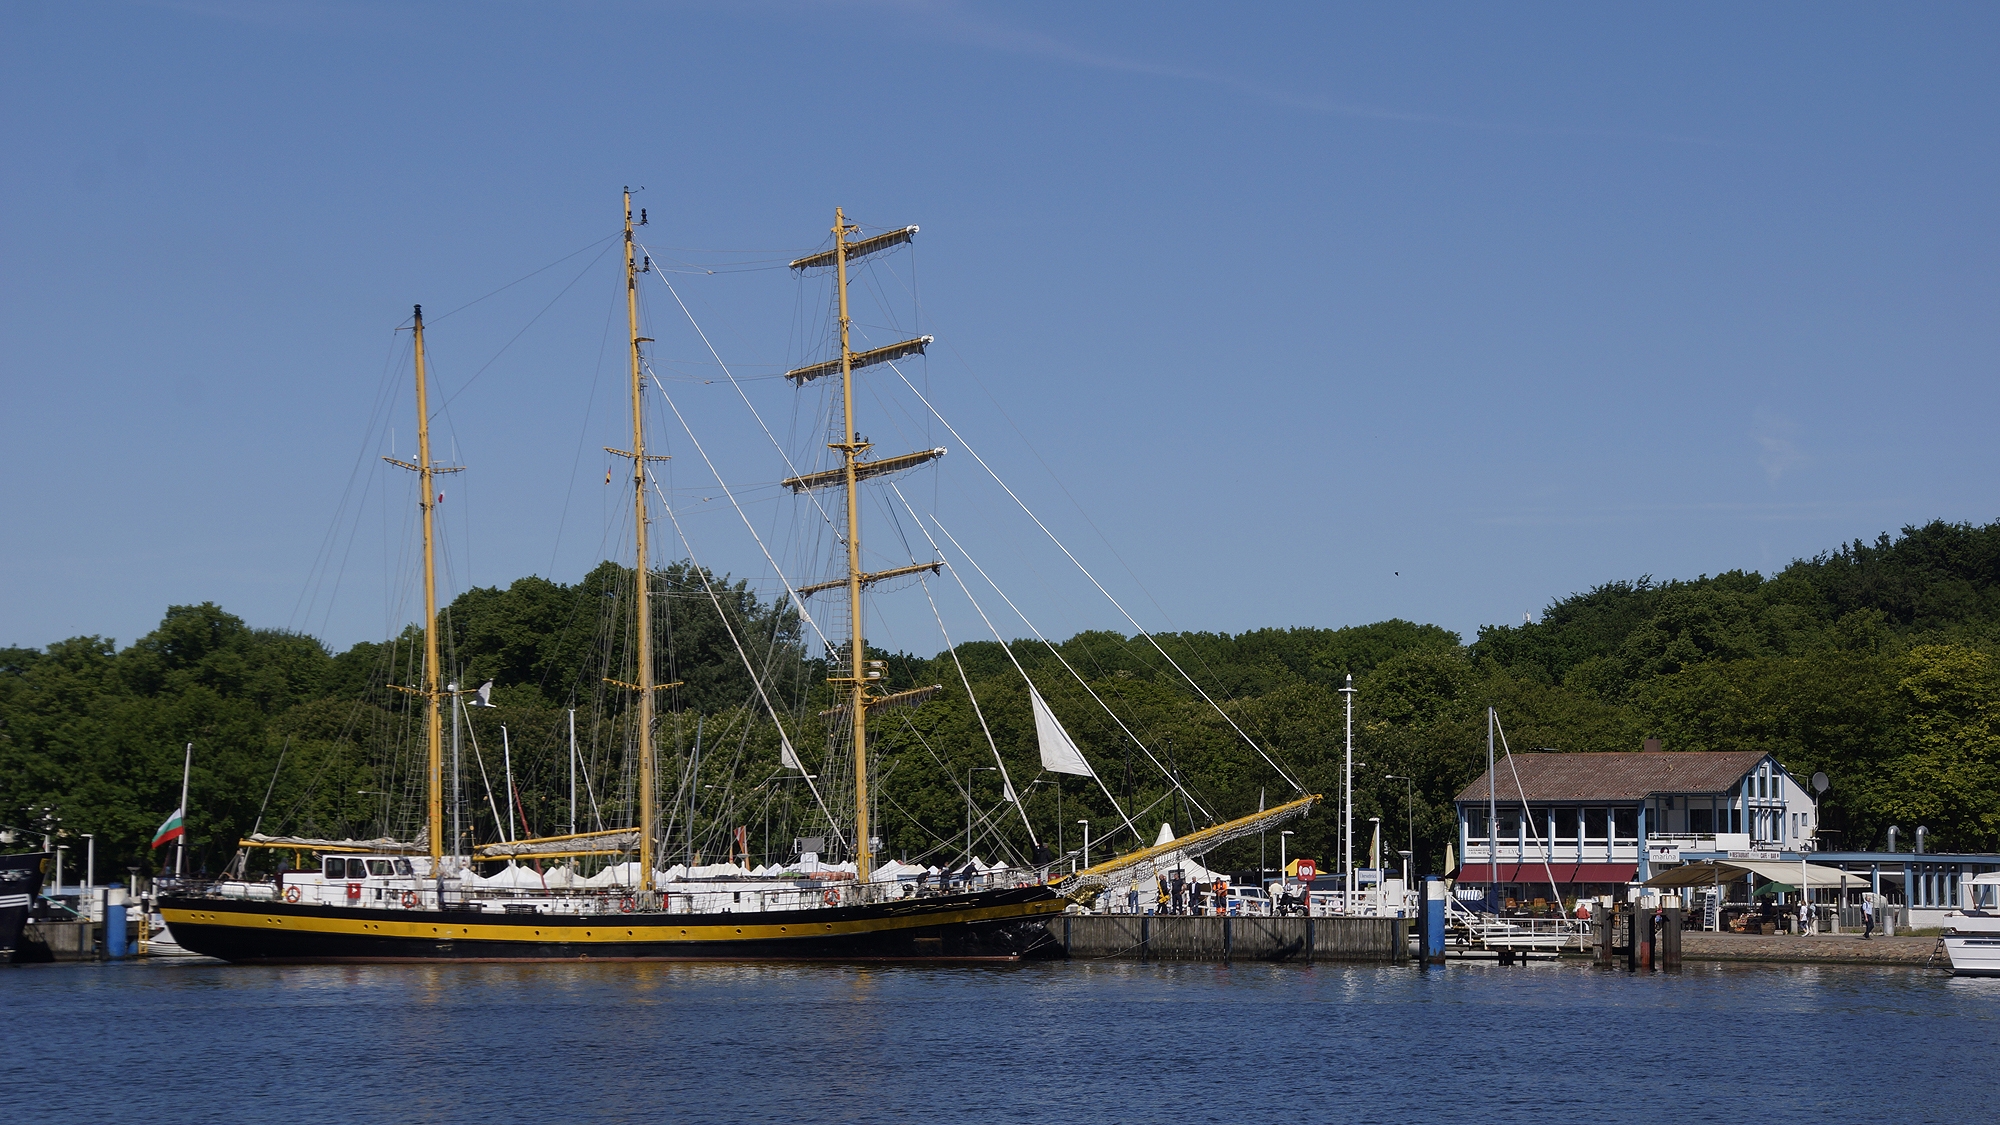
{"x":605,"y":929}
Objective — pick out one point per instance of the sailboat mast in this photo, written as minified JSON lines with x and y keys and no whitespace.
{"x":427,"y":500}
{"x":642,"y":577}
{"x":851,"y":449}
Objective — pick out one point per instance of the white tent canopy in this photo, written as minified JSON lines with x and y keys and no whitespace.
{"x":1703,"y":874}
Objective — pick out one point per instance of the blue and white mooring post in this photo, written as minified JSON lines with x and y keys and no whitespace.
{"x":115,"y":945}
{"x":1433,"y":920}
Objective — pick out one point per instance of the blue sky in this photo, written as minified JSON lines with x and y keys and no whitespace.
{"x":1283,"y":315}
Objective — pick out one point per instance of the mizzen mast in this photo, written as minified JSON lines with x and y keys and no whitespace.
{"x":852,"y":472}
{"x":427,"y":501}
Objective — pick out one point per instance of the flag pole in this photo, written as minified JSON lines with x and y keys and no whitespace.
{"x":180,"y":845}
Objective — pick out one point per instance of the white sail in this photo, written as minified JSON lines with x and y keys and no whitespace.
{"x":788,"y":757}
{"x":1059,"y":752}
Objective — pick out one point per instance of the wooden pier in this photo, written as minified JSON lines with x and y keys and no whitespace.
{"x":1145,"y":937}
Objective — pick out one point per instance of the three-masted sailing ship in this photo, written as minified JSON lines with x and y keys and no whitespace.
{"x":385,"y":900}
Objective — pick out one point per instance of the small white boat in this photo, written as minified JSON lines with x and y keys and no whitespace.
{"x":1972,"y":932}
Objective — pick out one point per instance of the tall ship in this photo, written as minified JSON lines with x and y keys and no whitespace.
{"x":385,"y":899}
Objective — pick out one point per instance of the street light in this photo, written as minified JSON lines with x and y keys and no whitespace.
{"x":1086,"y":842}
{"x":968,"y":806}
{"x":1282,"y":880}
{"x":90,"y":861}
{"x":1409,"y":809}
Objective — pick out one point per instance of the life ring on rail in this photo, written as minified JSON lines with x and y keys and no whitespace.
{"x":291,"y":894}
{"x":626,"y":905}
{"x":831,"y":896}
{"x":409,"y":900}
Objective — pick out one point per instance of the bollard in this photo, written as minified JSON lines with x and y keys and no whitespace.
{"x":1670,"y":940}
{"x":1433,"y":920}
{"x":115,"y":946}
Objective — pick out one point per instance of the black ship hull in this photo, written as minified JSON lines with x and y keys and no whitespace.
{"x":20,"y":883}
{"x":998,"y":925}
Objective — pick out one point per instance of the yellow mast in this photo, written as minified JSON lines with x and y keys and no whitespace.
{"x":642,"y":583}
{"x":427,"y":502}
{"x":853,"y":470}
{"x":434,"y":779}
{"x":851,"y":450}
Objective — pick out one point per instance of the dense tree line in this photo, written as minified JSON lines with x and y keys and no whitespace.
{"x":1875,"y":663}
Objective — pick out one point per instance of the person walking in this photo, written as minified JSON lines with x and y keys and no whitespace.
{"x":1867,"y":917}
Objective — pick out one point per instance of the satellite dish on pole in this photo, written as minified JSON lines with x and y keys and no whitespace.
{"x":1820,"y":783}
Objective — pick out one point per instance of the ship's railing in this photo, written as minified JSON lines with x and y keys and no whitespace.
{"x":724,"y":895}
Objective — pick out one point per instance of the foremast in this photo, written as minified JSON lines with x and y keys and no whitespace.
{"x":433,"y":693}
{"x":853,"y":470}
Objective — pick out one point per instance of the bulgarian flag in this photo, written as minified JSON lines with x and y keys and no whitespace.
{"x":172,"y":830}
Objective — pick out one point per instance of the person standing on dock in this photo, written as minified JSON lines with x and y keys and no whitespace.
{"x":1867,"y":917}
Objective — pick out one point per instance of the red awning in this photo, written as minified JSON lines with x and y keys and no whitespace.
{"x":1564,"y":873}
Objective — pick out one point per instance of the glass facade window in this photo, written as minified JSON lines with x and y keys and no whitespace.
{"x":1565,"y":824}
{"x":1701,"y":821}
{"x":1595,"y":823}
{"x":1625,"y":823}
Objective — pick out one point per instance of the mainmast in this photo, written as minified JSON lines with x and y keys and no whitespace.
{"x":642,"y":575}
{"x":853,"y":470}
{"x":427,"y":500}
{"x":851,"y":450}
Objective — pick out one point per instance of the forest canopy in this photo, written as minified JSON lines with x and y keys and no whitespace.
{"x":1878,"y":663}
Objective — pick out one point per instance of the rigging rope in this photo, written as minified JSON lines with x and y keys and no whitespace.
{"x":1172,"y":776}
{"x":1528,"y":815}
{"x":709,"y":586}
{"x":1268,"y":760}
{"x":1008,"y":649}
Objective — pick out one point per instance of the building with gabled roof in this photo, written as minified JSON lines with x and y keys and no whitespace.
{"x":1554,"y":824}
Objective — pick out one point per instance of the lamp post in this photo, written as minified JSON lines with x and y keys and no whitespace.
{"x":1409,"y":810}
{"x":968,"y":806}
{"x":90,"y":862}
{"x":1284,"y":878}
{"x":1086,"y":842}
{"x":1347,"y":793}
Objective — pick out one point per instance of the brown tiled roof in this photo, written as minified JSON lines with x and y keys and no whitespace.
{"x":1614,"y":777}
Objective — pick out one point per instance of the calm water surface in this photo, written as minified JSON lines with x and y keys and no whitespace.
{"x":1043,"y":1043}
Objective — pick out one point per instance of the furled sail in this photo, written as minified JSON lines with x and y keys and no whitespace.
{"x":1059,"y":752}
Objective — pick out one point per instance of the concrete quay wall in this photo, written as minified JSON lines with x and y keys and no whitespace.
{"x":1143,"y":937}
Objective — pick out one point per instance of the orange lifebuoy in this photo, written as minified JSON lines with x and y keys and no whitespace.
{"x":831,"y":897}
{"x":409,"y":899}
{"x":291,"y":894}
{"x":626,"y":905}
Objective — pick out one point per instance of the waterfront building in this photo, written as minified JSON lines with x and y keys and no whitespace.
{"x":1591,"y":823}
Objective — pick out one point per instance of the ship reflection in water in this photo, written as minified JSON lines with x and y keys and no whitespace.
{"x":1042,"y":1042}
